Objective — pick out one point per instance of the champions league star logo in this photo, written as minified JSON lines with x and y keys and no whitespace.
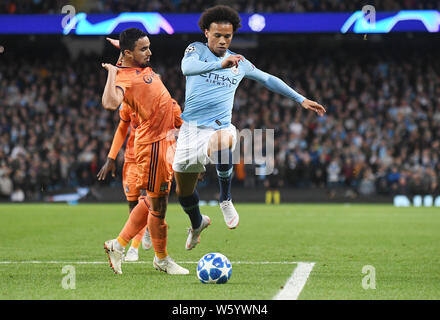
{"x":190,"y":49}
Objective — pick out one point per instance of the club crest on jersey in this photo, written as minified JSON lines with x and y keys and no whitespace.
{"x":190,"y":49}
{"x":148,"y":78}
{"x":235,"y":70}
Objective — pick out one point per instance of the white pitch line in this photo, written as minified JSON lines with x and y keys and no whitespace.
{"x":290,"y":291}
{"x":296,"y":282}
{"x":106,"y":262}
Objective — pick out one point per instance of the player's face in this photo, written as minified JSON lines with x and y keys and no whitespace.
{"x":219,"y":37}
{"x":141,"y":53}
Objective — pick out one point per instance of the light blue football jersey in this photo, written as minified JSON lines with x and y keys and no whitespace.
{"x":210,"y":90}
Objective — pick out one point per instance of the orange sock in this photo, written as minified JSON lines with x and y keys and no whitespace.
{"x":138,"y":238}
{"x":135,"y":244}
{"x":122,"y":241}
{"x":136,"y":221}
{"x":158,"y":232}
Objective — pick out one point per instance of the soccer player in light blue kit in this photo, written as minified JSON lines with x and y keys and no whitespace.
{"x":213,"y":74}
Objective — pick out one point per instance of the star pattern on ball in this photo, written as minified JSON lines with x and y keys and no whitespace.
{"x":214,"y":268}
{"x":224,"y":270}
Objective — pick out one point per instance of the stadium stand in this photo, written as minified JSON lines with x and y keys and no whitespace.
{"x":381,"y":134}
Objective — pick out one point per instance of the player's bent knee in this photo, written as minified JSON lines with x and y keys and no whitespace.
{"x":219,"y":141}
{"x":184,"y":192}
{"x":178,"y":190}
{"x":185,"y":183}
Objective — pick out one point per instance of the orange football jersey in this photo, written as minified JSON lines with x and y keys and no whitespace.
{"x":128,"y":115}
{"x":148,"y":97}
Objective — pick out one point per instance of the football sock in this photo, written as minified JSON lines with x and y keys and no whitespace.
{"x":224,"y":173}
{"x":138,"y":238}
{"x":268,"y":197}
{"x":190,"y":205}
{"x":120,"y":243}
{"x":276,"y":197}
{"x":158,"y":231}
{"x":136,"y":221}
{"x":135,"y":244}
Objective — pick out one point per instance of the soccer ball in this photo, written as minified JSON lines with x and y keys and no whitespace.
{"x":214,"y":268}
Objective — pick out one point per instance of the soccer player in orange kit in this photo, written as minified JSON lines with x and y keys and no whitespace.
{"x":136,"y":84}
{"x":128,"y":120}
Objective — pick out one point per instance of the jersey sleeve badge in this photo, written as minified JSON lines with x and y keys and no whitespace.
{"x":190,"y":49}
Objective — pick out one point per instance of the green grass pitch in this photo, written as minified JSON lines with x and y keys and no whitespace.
{"x":402,"y":244}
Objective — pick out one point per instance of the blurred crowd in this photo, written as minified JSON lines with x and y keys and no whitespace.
{"x":381,"y":133}
{"x":53,"y":131}
{"x":185,"y":6}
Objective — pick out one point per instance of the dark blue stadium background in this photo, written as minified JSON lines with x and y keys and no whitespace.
{"x":380,"y":137}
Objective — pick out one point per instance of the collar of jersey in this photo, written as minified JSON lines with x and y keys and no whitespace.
{"x":140,"y":69}
{"x":227,"y":51}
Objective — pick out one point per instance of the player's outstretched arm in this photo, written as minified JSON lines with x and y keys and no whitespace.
{"x":314,"y":106}
{"x":112,"y":96}
{"x":118,"y":141}
{"x":277,"y":85}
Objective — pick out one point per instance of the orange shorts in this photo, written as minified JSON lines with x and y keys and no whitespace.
{"x":129,"y":180}
{"x":154,"y":167}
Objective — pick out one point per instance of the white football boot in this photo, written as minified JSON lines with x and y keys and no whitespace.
{"x":169,"y":266}
{"x":194,"y":234}
{"x":230,"y":214}
{"x":114,"y":255}
{"x":146,"y":240}
{"x":132,"y":255}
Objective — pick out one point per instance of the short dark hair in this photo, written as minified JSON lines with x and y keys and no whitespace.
{"x":128,"y":38}
{"x":218,"y":14}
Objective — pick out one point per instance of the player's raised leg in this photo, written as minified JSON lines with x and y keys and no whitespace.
{"x":220,"y":148}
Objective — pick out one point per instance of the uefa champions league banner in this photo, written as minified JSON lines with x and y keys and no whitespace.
{"x":156,"y":23}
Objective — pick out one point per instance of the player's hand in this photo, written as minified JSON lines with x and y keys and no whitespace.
{"x":314,"y":106}
{"x":109,"y":166}
{"x":232,"y":61}
{"x":114,"y":42}
{"x":109,"y":67}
